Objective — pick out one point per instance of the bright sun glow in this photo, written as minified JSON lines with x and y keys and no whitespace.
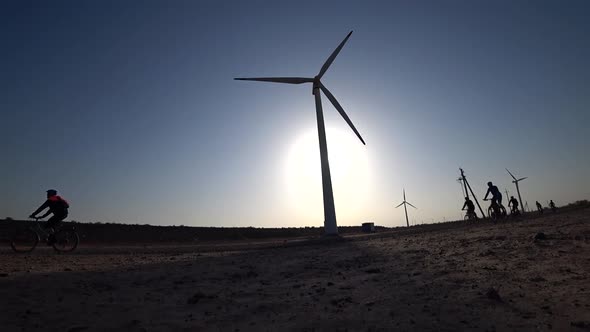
{"x":349,"y":169}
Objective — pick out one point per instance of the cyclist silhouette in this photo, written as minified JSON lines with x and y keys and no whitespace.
{"x":513,"y":204}
{"x":496,"y":195}
{"x":57,"y":205}
{"x":470,"y":207}
{"x":552,"y":206}
{"x":539,"y":207}
{"x":496,"y":210}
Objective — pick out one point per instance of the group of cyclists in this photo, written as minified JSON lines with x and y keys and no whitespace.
{"x":59,"y":207}
{"x":496,"y":207}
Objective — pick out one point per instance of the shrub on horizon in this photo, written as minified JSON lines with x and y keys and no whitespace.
{"x":580,"y":203}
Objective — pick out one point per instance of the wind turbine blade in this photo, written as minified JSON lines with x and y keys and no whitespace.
{"x":341,"y":111}
{"x":333,"y":56}
{"x":288,"y":80}
{"x":522,"y":178}
{"x":412,"y":205}
{"x":511,"y":174}
{"x":400,"y":204}
{"x":404,"y":190}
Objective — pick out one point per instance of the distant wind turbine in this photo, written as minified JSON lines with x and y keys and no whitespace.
{"x":330,"y":225}
{"x":404,"y":203}
{"x":516,"y":181}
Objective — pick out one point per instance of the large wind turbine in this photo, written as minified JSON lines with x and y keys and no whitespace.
{"x":330,"y":226}
{"x":404,"y":203}
{"x":516,"y":181}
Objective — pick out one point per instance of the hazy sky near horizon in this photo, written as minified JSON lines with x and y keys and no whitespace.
{"x":129,"y":108}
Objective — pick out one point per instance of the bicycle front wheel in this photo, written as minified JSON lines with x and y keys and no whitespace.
{"x":66,"y":240}
{"x":24,"y":240}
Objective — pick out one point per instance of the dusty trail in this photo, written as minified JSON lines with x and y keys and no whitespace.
{"x":478,"y":277}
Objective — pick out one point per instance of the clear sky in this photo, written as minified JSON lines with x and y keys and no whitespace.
{"x":129,"y":108}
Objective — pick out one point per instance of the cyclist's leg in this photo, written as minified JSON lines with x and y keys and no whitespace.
{"x":500,"y":208}
{"x":53,"y":223}
{"x":492,"y":209}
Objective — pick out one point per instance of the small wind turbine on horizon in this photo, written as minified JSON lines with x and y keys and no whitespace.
{"x":330,"y":225}
{"x":516,"y":181}
{"x":404,"y":203}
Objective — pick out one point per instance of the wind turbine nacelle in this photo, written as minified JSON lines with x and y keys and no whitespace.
{"x":316,"y":85}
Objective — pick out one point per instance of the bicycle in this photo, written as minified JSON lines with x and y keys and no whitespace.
{"x":470,"y":215}
{"x":496,"y":211}
{"x":25,"y":239}
{"x":514,"y":212}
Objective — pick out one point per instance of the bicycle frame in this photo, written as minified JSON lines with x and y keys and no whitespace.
{"x":41,"y":231}
{"x":497,"y":208}
{"x":471,"y":213}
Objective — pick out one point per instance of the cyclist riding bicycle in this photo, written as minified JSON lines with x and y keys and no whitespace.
{"x":539,"y":207}
{"x":470,"y":207}
{"x":513,"y":204}
{"x":58,"y":206}
{"x":496,"y":195}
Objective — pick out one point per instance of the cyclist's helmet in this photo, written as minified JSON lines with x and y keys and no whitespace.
{"x":490,"y":183}
{"x":51,"y":192}
{"x":466,"y":198}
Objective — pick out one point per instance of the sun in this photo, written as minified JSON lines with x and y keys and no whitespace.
{"x":349,"y":168}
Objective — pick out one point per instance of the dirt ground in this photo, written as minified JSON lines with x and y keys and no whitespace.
{"x":480,"y":276}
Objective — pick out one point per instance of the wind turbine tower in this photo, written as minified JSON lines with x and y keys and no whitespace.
{"x":404,"y":203}
{"x":516,"y":181}
{"x":330,"y":225}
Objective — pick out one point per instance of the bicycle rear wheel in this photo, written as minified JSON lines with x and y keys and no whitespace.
{"x":502,"y":211}
{"x":24,"y":240}
{"x":66,"y":240}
